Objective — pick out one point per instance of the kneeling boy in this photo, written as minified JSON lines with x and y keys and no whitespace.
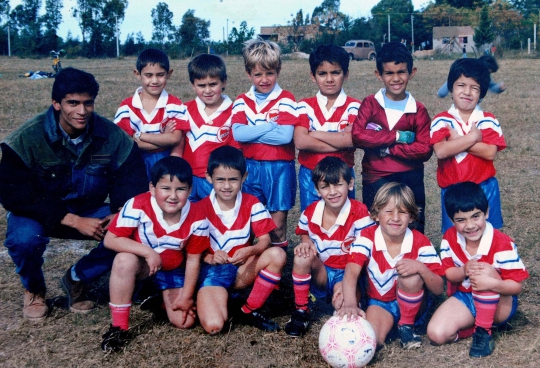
{"x":483,"y":265}
{"x":152,"y":235}
{"x":232,"y":259}
{"x":327,"y":228}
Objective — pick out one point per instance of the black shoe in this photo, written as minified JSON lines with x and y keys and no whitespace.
{"x":482,"y":343}
{"x":409,"y":340}
{"x":115,"y":339}
{"x":298,"y":324}
{"x":257,"y":320}
{"x":155,"y":305}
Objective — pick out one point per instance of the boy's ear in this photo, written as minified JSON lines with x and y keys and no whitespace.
{"x":169,"y":73}
{"x":351,"y":184}
{"x":244,"y":177}
{"x":487,"y":213}
{"x":56,"y":105}
{"x":413,"y":72}
{"x":152,"y":189}
{"x":208,"y":178}
{"x":313,"y":77}
{"x":378,"y":75}
{"x":136,"y":72}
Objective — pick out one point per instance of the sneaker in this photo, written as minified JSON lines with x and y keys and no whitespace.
{"x":34,"y":308}
{"x":115,"y":339}
{"x":298,"y":324}
{"x":409,"y":340}
{"x":77,"y":299}
{"x":482,"y":343}
{"x":258,"y":320}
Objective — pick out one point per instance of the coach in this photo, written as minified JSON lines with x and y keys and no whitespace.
{"x":56,"y":173}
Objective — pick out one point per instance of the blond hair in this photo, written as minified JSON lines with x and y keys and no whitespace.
{"x":403,"y":197}
{"x":266,"y":54}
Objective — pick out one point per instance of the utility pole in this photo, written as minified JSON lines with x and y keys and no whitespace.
{"x":227,"y":36}
{"x":412,"y":32}
{"x":388,"y":27}
{"x":9,"y":38}
{"x":117,"y":44}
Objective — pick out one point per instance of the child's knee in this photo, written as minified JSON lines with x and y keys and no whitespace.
{"x":176,"y":321}
{"x":302,"y":262}
{"x":436,"y":334}
{"x":213,"y":326}
{"x":278,"y":257}
{"x":125,"y":263}
{"x":411,"y":284}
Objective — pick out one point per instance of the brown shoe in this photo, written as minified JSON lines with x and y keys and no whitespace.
{"x":77,"y":299}
{"x":34,"y":309}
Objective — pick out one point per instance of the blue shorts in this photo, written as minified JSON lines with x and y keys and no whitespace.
{"x":491,"y":189}
{"x":467,"y":299}
{"x":200,"y":189}
{"x":272,"y":182}
{"x":150,"y":158}
{"x":220,"y":275}
{"x":393,"y":308}
{"x":333,"y":276}
{"x":172,"y":279}
{"x":308,"y":193}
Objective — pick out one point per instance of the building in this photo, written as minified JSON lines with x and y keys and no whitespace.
{"x":288,"y":34}
{"x":453,"y":39}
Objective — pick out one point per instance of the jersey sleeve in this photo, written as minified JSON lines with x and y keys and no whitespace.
{"x":492,"y":132}
{"x":199,"y":240}
{"x":510,"y":264}
{"x":122,"y":119}
{"x":367,"y":133}
{"x":421,"y":148}
{"x":303,"y":117}
{"x":428,"y":255}
{"x":261,"y":221}
{"x":287,"y":110}
{"x":126,"y":222}
{"x":361,"y":250}
{"x":439,"y":130}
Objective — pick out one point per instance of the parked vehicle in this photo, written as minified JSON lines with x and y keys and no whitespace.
{"x":360,"y":49}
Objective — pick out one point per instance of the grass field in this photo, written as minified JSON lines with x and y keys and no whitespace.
{"x":66,"y":339}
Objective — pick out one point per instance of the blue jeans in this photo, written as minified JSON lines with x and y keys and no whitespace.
{"x":26,"y":242}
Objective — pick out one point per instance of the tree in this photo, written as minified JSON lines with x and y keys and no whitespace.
{"x":162,"y":23}
{"x":193,"y":32}
{"x":483,"y":34}
{"x":238,"y":37}
{"x":25,"y":21}
{"x":51,"y":20}
{"x":400,"y":19}
{"x":296,"y":30}
{"x":328,"y":16}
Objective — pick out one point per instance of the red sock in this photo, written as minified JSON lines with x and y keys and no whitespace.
{"x":409,"y":305}
{"x":301,"y":284}
{"x":283,"y":245}
{"x":262,"y":288}
{"x":485,"y":303}
{"x":120,"y":315}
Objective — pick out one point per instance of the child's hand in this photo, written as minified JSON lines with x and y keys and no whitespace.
{"x":351,"y":312}
{"x":168,"y":127}
{"x":477,"y":133}
{"x":240,"y":256}
{"x":220,"y":257}
{"x":305,"y":250}
{"x":473,"y":267}
{"x":453,"y":133}
{"x":408,"y":267}
{"x":337,"y":298}
{"x":480,"y":281}
{"x":153,"y":260}
{"x":405,"y":137}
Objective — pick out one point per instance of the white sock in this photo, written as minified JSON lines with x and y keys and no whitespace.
{"x":74,"y":276}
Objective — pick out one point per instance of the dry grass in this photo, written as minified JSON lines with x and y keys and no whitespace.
{"x":67,"y":339}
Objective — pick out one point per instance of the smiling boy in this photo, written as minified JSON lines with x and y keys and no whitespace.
{"x":466,"y":139}
{"x":483,"y":265}
{"x":324,"y":121}
{"x":393,"y":130}
{"x":234,"y":260}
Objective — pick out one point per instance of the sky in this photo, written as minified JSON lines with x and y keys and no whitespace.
{"x":256,"y":13}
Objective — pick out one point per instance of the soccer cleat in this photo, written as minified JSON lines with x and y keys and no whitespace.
{"x":115,"y":339}
{"x":258,"y":320}
{"x":34,"y":308}
{"x":409,"y":340}
{"x":77,"y":299}
{"x":482,"y":343}
{"x":298,"y":324}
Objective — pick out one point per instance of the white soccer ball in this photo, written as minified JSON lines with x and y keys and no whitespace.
{"x":345,"y":343}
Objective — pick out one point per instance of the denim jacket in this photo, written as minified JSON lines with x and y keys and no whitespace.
{"x":42,"y":176}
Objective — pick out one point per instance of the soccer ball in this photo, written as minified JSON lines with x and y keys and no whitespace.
{"x":345,"y":343}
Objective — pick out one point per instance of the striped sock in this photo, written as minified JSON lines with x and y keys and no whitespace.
{"x":283,"y":245}
{"x":263,"y":286}
{"x":301,"y":284}
{"x":409,"y":305}
{"x":485,"y":303}
{"x":120,"y":315}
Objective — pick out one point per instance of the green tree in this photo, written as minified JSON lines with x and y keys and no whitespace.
{"x":4,"y":19}
{"x":193,"y":33}
{"x":25,"y":22}
{"x":328,"y":16}
{"x":238,"y":37}
{"x":400,"y":19}
{"x":51,"y":20}
{"x":162,"y":22}
{"x":483,"y":34}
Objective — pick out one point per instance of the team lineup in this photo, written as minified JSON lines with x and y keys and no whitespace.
{"x":200,"y":193}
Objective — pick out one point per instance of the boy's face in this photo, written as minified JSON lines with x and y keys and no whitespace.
{"x":171,"y":196}
{"x":227,"y":183}
{"x":334,"y":195}
{"x":264,"y":80}
{"x":329,"y":77}
{"x":75,"y":111}
{"x":209,"y":90}
{"x":465,"y":93}
{"x":470,"y":224}
{"x":395,"y":78}
{"x":153,"y":79}
{"x":393,"y":221}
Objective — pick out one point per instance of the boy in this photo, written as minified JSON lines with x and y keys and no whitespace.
{"x":152,"y":235}
{"x":152,"y":116}
{"x":235,"y":218}
{"x":393,"y":130}
{"x":401,"y":264}
{"x":466,"y":139}
{"x":327,"y":227}
{"x":484,"y":266}
{"x":321,"y":117}
{"x":208,"y":119}
{"x":263,"y":122}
